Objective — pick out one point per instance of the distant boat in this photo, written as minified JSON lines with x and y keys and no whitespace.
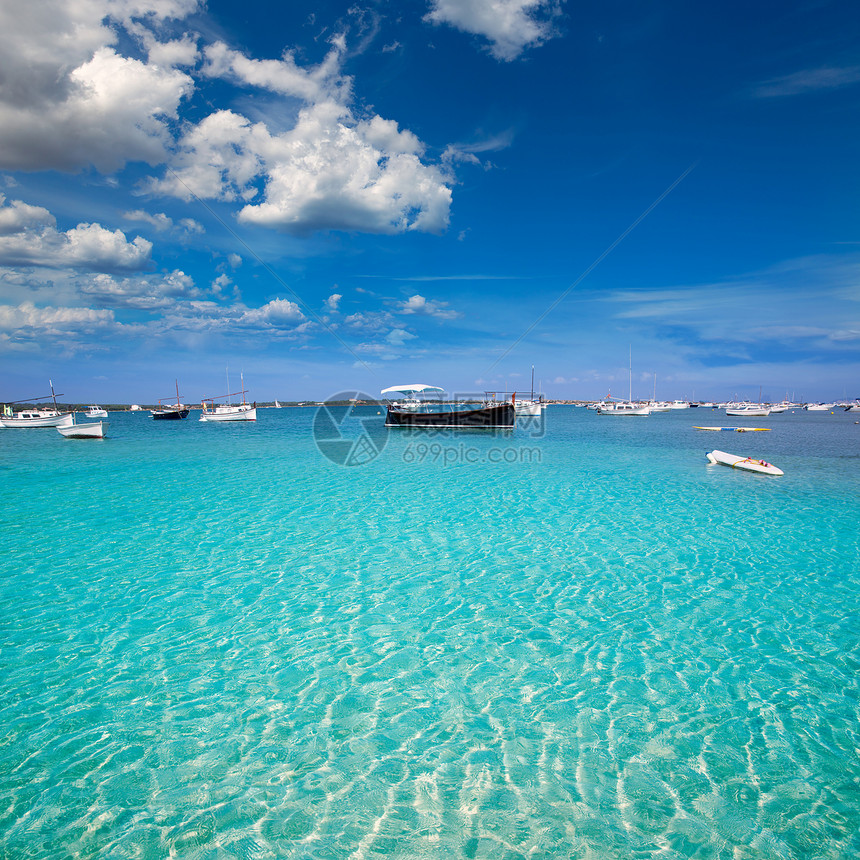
{"x":750,"y":411}
{"x":95,"y":412}
{"x":213,"y":411}
{"x":679,"y":404}
{"x":529,"y":407}
{"x":625,"y":407}
{"x":84,"y":431}
{"x":167,"y":412}
{"x":819,"y":407}
{"x":277,"y":405}
{"x":29,"y":418}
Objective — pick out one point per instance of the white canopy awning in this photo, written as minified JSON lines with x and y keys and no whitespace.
{"x":417,"y":388}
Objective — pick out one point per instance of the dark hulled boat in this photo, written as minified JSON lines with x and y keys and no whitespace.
{"x":495,"y":416}
{"x":168,"y":412}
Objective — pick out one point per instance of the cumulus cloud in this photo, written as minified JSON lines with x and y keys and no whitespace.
{"x":141,"y":293}
{"x":510,"y":26}
{"x":332,"y":303}
{"x":29,"y":237}
{"x":419,"y":305}
{"x":27,"y":324}
{"x":327,"y":173}
{"x":69,"y":99}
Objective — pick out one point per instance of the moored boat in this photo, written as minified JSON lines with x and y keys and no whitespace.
{"x":243,"y":411}
{"x":488,"y":417}
{"x":29,"y":418}
{"x":84,"y":431}
{"x":95,"y":412}
{"x":169,"y":412}
{"x":750,"y":411}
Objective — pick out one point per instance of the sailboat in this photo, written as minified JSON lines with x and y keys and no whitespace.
{"x":624,"y":407}
{"x":530,"y":407}
{"x":27,"y":418}
{"x":213,"y":411}
{"x":169,"y":412}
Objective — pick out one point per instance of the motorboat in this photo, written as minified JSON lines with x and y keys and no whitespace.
{"x":623,"y":407}
{"x":679,"y":404}
{"x":95,"y":412}
{"x":747,"y":464}
{"x":749,"y":411}
{"x":84,"y":431}
{"x":243,"y":411}
{"x":819,"y":407}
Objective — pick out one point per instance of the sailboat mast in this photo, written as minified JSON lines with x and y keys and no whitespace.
{"x":630,"y":392}
{"x":533,"y":382}
{"x":53,"y":396}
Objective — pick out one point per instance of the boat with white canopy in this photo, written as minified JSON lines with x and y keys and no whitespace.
{"x":410,"y":399}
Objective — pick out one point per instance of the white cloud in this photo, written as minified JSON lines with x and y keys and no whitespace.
{"x":29,"y":237}
{"x":419,"y":305}
{"x":141,"y":293}
{"x":27,"y":318}
{"x":69,"y":99}
{"x":332,"y":303}
{"x":809,"y":81}
{"x":327,"y":173}
{"x":511,"y":26}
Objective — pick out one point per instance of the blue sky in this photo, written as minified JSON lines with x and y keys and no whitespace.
{"x":330,"y":196}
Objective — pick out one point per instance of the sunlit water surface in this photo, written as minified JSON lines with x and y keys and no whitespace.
{"x":214,"y":642}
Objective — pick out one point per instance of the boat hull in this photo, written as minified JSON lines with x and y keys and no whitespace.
{"x":171,"y":415}
{"x":501,"y":416}
{"x":231,"y":415}
{"x":747,"y":464}
{"x":84,"y":431}
{"x":66,"y":419}
{"x":748,"y":413}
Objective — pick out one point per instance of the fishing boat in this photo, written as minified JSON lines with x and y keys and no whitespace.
{"x":30,"y":418}
{"x":243,"y":411}
{"x":95,"y":412}
{"x":490,"y":416}
{"x":747,"y":464}
{"x":84,"y":431}
{"x":169,"y":412}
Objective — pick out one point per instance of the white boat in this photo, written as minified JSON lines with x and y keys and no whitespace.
{"x":679,"y":404}
{"x":84,"y":431}
{"x":750,"y":411}
{"x":527,"y":407}
{"x":221,"y":412}
{"x":747,"y":464}
{"x":624,"y":407}
{"x":28,"y":418}
{"x":37,"y":418}
{"x":819,"y":407}
{"x":410,"y":400}
{"x":213,"y":411}
{"x":95,"y":412}
{"x":277,"y":405}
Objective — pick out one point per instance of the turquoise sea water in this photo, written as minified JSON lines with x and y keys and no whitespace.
{"x":215,"y":642}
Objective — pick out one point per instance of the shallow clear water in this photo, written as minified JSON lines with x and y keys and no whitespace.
{"x":215,"y":642}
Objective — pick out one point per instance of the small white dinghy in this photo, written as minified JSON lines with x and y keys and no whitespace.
{"x":84,"y":431}
{"x":745,"y":463}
